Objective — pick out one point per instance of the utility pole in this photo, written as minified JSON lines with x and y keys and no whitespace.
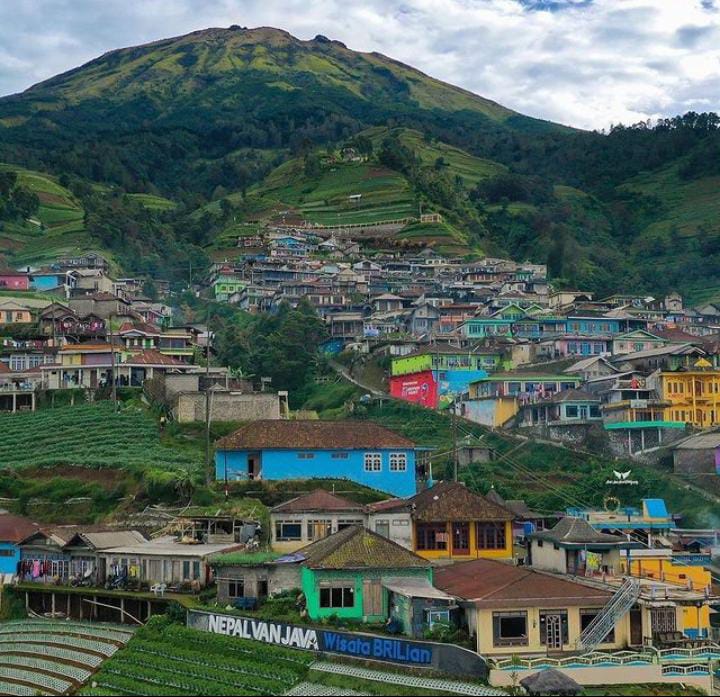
{"x":113,"y":371}
{"x":455,"y":442}
{"x":208,"y":476}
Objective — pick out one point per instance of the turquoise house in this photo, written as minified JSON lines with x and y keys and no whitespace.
{"x":361,"y":451}
{"x":352,"y":573}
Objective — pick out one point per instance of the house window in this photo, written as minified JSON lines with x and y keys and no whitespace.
{"x":490,"y":535}
{"x":373,"y":462}
{"x":587,"y":616}
{"x":305,"y":456}
{"x":431,"y":536}
{"x":288,"y":530}
{"x":510,"y":629}
{"x":382,"y":527}
{"x":339,"y":456}
{"x":236,"y":588}
{"x":571,"y":411}
{"x":398,"y":462}
{"x":337,"y":596}
{"x":196,"y":570}
{"x":317,"y":529}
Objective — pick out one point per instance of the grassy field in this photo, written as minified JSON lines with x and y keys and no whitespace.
{"x":155,"y":203}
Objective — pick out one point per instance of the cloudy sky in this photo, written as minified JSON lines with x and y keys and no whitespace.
{"x":588,"y":63}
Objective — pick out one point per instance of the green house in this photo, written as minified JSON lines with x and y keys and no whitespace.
{"x":347,"y":574}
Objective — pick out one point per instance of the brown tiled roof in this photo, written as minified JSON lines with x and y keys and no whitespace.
{"x":313,"y":435}
{"x":454,"y":501}
{"x":358,"y":548}
{"x":153,"y":357}
{"x":494,"y":584}
{"x":388,"y":505}
{"x":318,"y":500}
{"x":15,"y":528}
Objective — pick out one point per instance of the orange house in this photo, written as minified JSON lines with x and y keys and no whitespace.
{"x":452,"y":522}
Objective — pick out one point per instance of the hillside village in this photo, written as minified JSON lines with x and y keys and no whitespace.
{"x":322,"y":376}
{"x":488,"y":341}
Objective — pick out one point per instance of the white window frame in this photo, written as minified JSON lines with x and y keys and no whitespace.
{"x":373,"y":462}
{"x":398,"y":462}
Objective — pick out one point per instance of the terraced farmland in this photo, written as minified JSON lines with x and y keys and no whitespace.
{"x":58,"y":227}
{"x":169,"y":659}
{"x":87,"y":435}
{"x":49,"y":657}
{"x":383,"y":194}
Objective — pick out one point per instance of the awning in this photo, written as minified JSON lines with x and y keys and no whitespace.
{"x":415,"y":588}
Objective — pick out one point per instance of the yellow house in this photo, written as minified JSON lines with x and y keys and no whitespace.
{"x":451,"y":522}
{"x":694,"y":395}
{"x":517,"y":610}
{"x":658,"y":565}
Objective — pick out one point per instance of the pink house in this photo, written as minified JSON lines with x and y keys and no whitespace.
{"x":11,"y":280}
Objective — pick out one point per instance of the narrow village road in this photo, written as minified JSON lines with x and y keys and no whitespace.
{"x":342,"y":370}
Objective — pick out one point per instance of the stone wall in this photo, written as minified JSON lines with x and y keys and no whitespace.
{"x":227,"y":406}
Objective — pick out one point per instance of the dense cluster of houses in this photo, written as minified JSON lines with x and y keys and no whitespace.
{"x":71,"y":325}
{"x":514,"y":581}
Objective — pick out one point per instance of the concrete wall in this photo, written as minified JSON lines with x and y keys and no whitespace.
{"x":695,"y":461}
{"x":616,"y":675}
{"x":399,"y":526}
{"x":227,"y":406}
{"x":279,"y":577}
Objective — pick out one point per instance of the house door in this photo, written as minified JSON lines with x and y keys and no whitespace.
{"x":583,"y":411}
{"x":461,"y":538}
{"x":636,"y":634}
{"x":254,"y":466}
{"x":372,"y":597}
{"x":554,"y":632}
{"x":93,"y":378}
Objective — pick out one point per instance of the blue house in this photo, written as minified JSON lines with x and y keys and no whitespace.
{"x":361,"y":451}
{"x":13,"y":530}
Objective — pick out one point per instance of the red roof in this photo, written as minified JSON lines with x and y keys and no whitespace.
{"x":15,"y":529}
{"x":318,"y":500}
{"x":4,"y":368}
{"x":494,"y":584}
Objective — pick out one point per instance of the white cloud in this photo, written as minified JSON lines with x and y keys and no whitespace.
{"x":588,"y":63}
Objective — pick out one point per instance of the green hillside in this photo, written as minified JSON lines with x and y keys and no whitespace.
{"x":57,"y":228}
{"x":223,"y":127}
{"x":456,"y":161}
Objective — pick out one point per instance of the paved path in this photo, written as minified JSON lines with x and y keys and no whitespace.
{"x":342,"y":370}
{"x":460,"y":688}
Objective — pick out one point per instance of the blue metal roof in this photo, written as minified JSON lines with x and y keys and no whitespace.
{"x":655,"y":508}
